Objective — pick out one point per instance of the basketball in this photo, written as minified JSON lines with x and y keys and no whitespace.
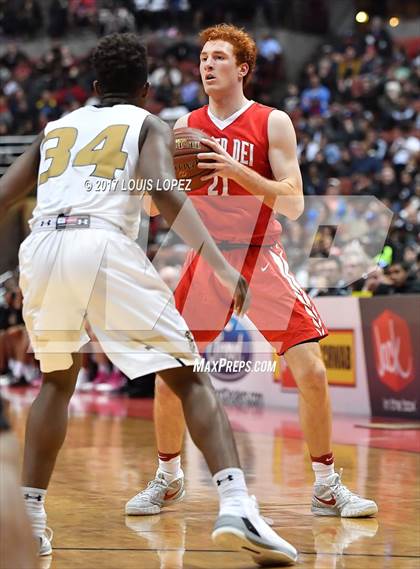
{"x":187,"y":145}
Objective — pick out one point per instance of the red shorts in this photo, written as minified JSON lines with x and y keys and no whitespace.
{"x":280,"y":308}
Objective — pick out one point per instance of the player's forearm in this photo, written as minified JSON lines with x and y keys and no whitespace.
{"x":180,"y":214}
{"x":20,"y":178}
{"x":284,"y":196}
{"x":14,"y":186}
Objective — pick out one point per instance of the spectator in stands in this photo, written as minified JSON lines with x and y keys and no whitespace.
{"x":116,"y":20}
{"x":402,"y":280}
{"x":174,"y":110}
{"x":315,"y":99}
{"x":6,"y":117}
{"x":349,"y":65}
{"x":292,"y":100}
{"x":363,"y":162}
{"x":16,"y":358}
{"x":190,"y":92}
{"x":379,"y":37}
{"x":388,"y":185}
{"x":47,"y":108}
{"x":269,"y":47}
{"x":355,"y":267}
{"x":326,"y":279}
{"x":168,"y":70}
{"x":373,"y":281}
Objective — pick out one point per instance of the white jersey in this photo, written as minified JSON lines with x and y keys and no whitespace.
{"x":89,"y":166}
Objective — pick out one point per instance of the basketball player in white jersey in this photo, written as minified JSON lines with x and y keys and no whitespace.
{"x":80,"y":260}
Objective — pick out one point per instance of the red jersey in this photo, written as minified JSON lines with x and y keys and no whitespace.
{"x":229,"y":212}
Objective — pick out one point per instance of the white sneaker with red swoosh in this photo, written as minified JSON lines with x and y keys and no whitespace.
{"x":157,"y":495}
{"x":332,"y":498}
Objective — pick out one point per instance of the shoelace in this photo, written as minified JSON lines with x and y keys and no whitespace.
{"x":153,"y":489}
{"x":341,"y":491}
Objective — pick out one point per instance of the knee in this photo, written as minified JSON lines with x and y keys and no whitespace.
{"x":313,"y":379}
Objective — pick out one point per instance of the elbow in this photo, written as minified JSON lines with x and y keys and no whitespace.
{"x":154,"y":212}
{"x":297,"y":204}
{"x":296,"y":209}
{"x":290,"y":206}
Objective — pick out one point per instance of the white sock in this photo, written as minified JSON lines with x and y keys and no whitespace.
{"x":11,"y":365}
{"x":232,"y":490}
{"x":322,"y":471}
{"x":171,"y":469}
{"x":18,"y":370}
{"x":34,"y":502}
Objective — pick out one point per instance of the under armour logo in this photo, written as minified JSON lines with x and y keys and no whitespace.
{"x":38,"y":498}
{"x":229,"y":477}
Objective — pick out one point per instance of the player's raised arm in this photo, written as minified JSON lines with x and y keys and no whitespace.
{"x":156,"y":163}
{"x":20,"y":178}
{"x":282,"y":155}
{"x":148,"y":205}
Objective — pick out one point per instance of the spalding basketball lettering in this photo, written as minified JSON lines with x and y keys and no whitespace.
{"x":187,"y":143}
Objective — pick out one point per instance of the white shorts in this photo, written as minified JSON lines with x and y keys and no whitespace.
{"x":103,"y":276}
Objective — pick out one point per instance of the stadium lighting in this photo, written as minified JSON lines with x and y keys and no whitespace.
{"x":394,"y":22}
{"x":362,"y":17}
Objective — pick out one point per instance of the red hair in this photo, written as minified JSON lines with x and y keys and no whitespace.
{"x":244,"y":48}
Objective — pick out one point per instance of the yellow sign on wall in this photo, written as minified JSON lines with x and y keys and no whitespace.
{"x":338,"y":354}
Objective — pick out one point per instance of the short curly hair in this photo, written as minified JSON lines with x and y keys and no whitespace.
{"x":120,"y":63}
{"x":244,"y":47}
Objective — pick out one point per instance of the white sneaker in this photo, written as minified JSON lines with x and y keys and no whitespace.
{"x":252,"y":534}
{"x":156,"y":496}
{"x":332,"y":498}
{"x":45,"y":547}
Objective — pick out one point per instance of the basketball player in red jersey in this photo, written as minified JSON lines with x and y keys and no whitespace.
{"x":256,"y":174}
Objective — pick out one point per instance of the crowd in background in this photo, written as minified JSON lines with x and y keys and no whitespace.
{"x":36,"y":18}
{"x":355,"y":109}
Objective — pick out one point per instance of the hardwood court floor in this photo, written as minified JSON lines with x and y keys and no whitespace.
{"x":109,"y":455}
